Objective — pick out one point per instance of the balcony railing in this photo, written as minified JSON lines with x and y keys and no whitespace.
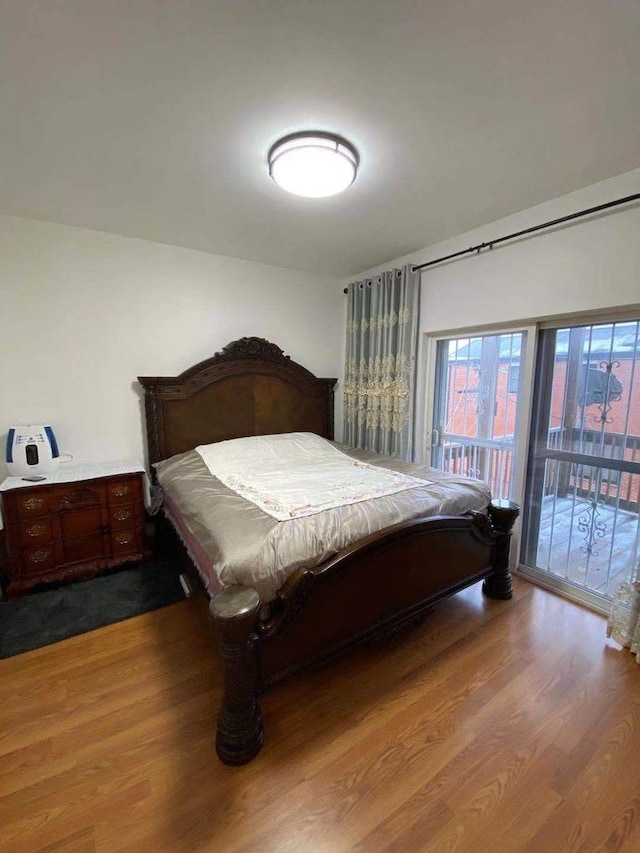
{"x":491,"y":460}
{"x":486,"y":459}
{"x":614,"y":488}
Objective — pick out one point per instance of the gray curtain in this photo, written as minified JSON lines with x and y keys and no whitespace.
{"x":382,"y":343}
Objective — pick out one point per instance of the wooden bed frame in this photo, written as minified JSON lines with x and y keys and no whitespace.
{"x":370,"y":588}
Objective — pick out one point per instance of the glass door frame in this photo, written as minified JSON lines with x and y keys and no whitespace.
{"x":538,"y":453}
{"x":525,"y":400}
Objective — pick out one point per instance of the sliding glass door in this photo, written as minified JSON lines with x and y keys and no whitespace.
{"x":476,"y":412}
{"x":581,"y":531}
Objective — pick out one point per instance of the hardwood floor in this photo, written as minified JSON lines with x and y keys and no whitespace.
{"x":493,"y":726}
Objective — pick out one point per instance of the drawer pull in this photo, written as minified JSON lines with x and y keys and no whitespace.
{"x":122,"y":514}
{"x":33,"y":503}
{"x":38,"y":556}
{"x":119,"y":491}
{"x":123,"y":538}
{"x":36,"y":530}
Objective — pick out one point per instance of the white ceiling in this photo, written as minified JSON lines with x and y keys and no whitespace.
{"x":152,"y":118}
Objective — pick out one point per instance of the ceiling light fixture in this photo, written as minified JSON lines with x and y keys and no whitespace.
{"x":313,"y":164}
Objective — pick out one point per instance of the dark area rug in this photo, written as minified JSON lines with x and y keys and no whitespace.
{"x":69,"y":609}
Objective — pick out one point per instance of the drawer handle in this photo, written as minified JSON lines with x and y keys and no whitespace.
{"x":36,"y":530}
{"x":123,"y":538}
{"x":38,"y":556}
{"x":33,"y":503}
{"x":119,"y":491}
{"x":121,"y":514}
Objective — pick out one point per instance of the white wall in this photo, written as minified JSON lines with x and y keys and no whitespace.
{"x":83,"y":313}
{"x":588,"y":265}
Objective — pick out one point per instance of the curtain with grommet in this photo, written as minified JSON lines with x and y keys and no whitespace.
{"x":382,"y":344}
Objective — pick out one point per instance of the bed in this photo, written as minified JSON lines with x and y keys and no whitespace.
{"x":372,"y":586}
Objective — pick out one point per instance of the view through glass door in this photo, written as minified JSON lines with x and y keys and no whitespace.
{"x":476,"y":408}
{"x":581,"y":531}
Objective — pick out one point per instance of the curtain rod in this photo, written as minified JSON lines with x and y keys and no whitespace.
{"x":491,"y":243}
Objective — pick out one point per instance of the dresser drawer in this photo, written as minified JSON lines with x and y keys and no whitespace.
{"x":39,"y":561}
{"x":70,"y":498}
{"x":29,"y":505}
{"x":124,"y":516}
{"x":36,"y":531}
{"x":125,"y":541}
{"x":123,"y":491}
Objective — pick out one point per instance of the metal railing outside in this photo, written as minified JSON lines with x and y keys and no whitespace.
{"x":490,"y":460}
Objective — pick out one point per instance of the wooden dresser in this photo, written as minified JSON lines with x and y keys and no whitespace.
{"x":72,"y":530}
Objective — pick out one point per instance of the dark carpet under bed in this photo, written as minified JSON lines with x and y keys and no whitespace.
{"x":55,"y":614}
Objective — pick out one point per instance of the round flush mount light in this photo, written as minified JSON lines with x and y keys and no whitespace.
{"x":313,"y":164}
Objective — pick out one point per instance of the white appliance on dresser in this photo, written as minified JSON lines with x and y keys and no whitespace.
{"x":32,"y":451}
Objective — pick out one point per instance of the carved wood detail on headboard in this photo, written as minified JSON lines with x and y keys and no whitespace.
{"x":250,"y":387}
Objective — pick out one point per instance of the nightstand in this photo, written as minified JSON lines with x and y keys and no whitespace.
{"x":80,"y":521}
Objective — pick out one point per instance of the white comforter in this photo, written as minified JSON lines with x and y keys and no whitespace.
{"x":297,"y":474}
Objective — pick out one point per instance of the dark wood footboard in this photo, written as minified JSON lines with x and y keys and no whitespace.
{"x":368,"y":589}
{"x":239,"y":736}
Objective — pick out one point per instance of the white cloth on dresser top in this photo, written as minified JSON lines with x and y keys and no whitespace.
{"x":75,"y":472}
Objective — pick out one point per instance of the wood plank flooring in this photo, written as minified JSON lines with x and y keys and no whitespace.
{"x":493,"y":726}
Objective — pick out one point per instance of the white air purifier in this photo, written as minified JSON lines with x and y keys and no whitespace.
{"x":32,"y":451}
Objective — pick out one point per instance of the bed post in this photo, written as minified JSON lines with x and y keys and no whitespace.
{"x":239,"y":735}
{"x":503,"y":515}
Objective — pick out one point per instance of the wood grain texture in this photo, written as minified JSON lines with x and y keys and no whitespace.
{"x":508,"y":726}
{"x":368,"y":589}
{"x":71,"y":531}
{"x":248,"y":388}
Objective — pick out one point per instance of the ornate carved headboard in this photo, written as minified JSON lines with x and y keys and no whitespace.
{"x":249,"y":388}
